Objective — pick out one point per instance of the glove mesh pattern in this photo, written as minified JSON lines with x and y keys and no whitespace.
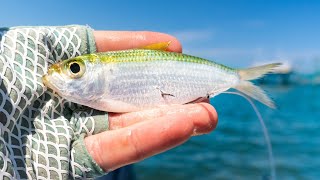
{"x":36,"y":134}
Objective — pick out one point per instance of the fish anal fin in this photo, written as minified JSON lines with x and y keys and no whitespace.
{"x":162,"y":46}
{"x":198,"y":100}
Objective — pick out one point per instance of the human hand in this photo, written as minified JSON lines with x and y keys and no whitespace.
{"x":138,"y":135}
{"x":42,"y":134}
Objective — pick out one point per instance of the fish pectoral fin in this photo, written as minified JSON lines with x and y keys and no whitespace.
{"x":163,"y":46}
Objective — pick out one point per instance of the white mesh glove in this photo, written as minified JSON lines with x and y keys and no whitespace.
{"x":41,"y":133}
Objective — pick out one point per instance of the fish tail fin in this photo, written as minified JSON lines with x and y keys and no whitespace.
{"x":255,"y":92}
{"x":257,"y":72}
{"x":252,"y":90}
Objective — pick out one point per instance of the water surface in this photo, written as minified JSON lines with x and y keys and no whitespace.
{"x":237,"y":149}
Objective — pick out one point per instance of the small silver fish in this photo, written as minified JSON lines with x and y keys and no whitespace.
{"x":136,"y":79}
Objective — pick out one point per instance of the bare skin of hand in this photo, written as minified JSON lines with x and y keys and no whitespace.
{"x":138,"y":135}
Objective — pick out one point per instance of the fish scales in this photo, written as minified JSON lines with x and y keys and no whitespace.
{"x":132,"y":80}
{"x":172,"y":76}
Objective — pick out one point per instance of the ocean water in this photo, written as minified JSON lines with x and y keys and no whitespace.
{"x":237,"y":148}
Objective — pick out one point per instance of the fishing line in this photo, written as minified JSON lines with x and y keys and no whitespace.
{"x":265,"y":132}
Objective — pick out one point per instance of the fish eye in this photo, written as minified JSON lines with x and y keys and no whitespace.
{"x":76,"y":69}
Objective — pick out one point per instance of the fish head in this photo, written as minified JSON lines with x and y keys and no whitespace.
{"x":68,"y":77}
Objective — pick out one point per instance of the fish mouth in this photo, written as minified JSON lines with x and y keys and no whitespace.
{"x":47,"y":83}
{"x":51,"y":71}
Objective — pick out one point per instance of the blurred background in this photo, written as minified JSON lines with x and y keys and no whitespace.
{"x":238,"y":34}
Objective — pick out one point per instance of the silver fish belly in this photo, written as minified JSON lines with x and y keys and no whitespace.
{"x":140,"y":85}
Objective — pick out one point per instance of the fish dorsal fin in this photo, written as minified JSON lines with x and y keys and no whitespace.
{"x":163,"y":46}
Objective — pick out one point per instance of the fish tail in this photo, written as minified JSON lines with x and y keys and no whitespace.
{"x":252,"y":90}
{"x":257,"y":72}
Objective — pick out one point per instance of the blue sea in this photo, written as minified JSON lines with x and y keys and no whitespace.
{"x":237,"y":148}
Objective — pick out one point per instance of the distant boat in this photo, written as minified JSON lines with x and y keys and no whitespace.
{"x":281,"y":74}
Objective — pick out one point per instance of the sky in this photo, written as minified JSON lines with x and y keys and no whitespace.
{"x":237,"y":33}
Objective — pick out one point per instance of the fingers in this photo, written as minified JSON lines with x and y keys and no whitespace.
{"x":117,"y":121}
{"x":119,"y":40}
{"x":116,"y":148}
{"x":205,"y":125}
